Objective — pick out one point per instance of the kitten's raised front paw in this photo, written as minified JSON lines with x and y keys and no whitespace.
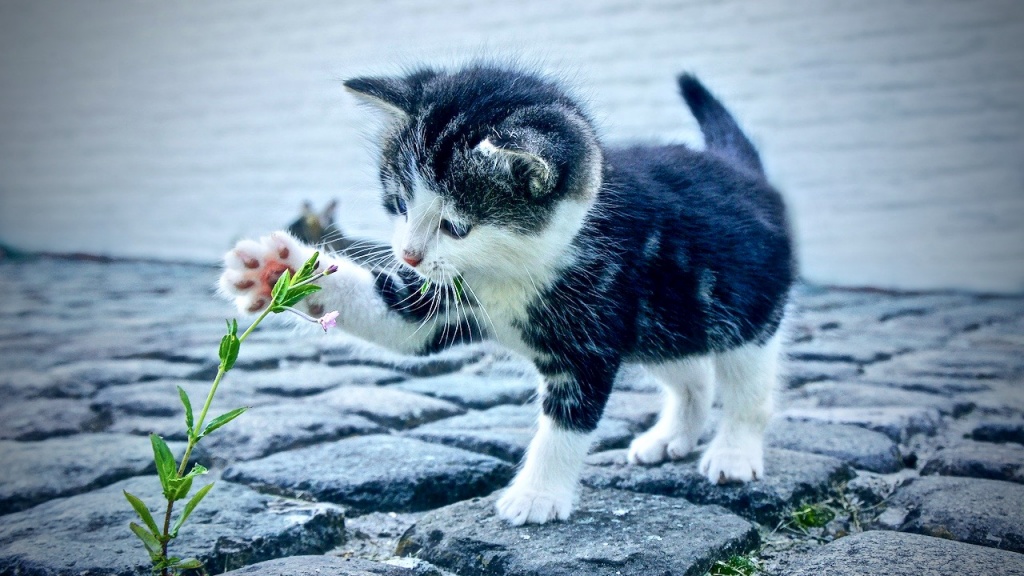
{"x":734,"y":460}
{"x":519,"y":506}
{"x":656,"y":446}
{"x":252,"y":268}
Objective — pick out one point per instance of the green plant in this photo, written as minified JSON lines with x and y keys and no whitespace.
{"x":288,"y":291}
{"x":735,"y":566}
{"x":811,"y":516}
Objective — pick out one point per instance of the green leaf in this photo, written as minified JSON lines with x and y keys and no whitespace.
{"x":281,"y":288}
{"x":296,"y":294}
{"x":149,"y":541}
{"x":223,"y":419}
{"x":424,"y":287}
{"x":229,"y":346}
{"x":307,"y":269}
{"x":188,"y":409}
{"x":143,"y":512}
{"x":189,"y":508}
{"x":187,"y":564}
{"x":165,"y":466}
{"x":458,"y":287}
{"x":180,"y":487}
{"x":197,"y":470}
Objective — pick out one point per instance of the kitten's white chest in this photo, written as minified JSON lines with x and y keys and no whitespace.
{"x":503,"y":312}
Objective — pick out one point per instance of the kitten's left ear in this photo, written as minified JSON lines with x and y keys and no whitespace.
{"x":522,"y":153}
{"x":397,"y":96}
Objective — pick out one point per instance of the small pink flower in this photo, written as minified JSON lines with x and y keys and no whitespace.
{"x":329,"y":320}
{"x":331,"y":269}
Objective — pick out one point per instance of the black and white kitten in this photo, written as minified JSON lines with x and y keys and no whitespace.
{"x":525,"y":229}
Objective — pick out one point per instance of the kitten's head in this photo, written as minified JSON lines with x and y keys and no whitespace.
{"x":487,"y":170}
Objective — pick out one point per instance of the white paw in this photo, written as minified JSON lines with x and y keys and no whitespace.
{"x":733,"y":460}
{"x":656,"y":446}
{"x":519,"y":506}
{"x":252,"y":268}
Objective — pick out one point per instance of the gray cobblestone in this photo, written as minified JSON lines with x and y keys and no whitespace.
{"x":872,"y":427}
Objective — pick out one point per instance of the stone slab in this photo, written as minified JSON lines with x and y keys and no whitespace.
{"x":474,"y":391}
{"x":799,"y":373}
{"x":445,"y":362}
{"x":87,"y":535}
{"x":104,"y":372}
{"x":999,"y":431}
{"x":160,"y":398}
{"x":791,"y":479}
{"x":42,"y":418}
{"x":376,"y":473}
{"x":611,"y":532}
{"x":844,"y":347}
{"x":268,"y":429}
{"x":386,"y":406}
{"x":306,"y":378}
{"x":855,"y":395}
{"x":979,"y":460}
{"x":33,"y":472}
{"x":858,"y":447}
{"x":896,"y":422}
{"x":900,"y":554}
{"x":505,"y":431}
{"x":321,"y":566}
{"x":973,"y":510}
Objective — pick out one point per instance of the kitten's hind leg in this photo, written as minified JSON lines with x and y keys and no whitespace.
{"x":688,"y":389}
{"x":747,"y":379}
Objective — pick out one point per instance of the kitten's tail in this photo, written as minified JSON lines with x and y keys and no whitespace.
{"x":721,"y":133}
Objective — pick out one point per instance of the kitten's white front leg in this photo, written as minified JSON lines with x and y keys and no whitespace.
{"x":252,"y":268}
{"x":545,"y":487}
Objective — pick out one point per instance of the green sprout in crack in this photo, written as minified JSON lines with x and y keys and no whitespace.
{"x":176,"y":484}
{"x":811,"y":516}
{"x":735,"y":566}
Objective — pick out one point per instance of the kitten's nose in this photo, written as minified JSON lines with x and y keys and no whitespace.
{"x":412,"y":258}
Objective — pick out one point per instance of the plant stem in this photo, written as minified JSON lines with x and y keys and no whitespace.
{"x":194,"y":437}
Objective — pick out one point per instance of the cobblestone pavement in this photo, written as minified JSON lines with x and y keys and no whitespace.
{"x":901,"y":429}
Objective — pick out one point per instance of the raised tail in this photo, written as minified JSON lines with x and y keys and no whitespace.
{"x":721,"y":133}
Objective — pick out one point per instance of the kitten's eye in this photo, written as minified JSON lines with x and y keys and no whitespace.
{"x":400,"y":206}
{"x":456,"y":231}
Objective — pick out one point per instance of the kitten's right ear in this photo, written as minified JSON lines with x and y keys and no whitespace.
{"x":393,"y":95}
{"x":523,"y":153}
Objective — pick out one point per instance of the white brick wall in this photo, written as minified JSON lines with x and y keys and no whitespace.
{"x":894,"y":127}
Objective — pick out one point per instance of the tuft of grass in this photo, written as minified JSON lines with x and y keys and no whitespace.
{"x":811,"y":516}
{"x":735,"y":566}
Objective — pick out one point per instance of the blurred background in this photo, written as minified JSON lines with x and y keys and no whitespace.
{"x":164,"y":130}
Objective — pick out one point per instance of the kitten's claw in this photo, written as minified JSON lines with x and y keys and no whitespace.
{"x":252,"y":268}
{"x":733,"y":460}
{"x":654,"y":446}
{"x":520,"y":507}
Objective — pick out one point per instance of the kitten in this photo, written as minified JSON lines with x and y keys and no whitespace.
{"x":513,"y":222}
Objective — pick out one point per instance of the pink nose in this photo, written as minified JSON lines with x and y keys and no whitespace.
{"x":412,"y":258}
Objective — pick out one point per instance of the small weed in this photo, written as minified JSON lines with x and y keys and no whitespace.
{"x":735,"y":566}
{"x":811,"y":516}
